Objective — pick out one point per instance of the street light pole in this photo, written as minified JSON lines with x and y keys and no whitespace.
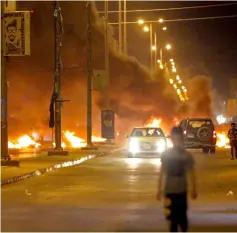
{"x":151,"y":43}
{"x":161,"y":56}
{"x":120,"y":25}
{"x":125,"y":26}
{"x":89,"y":77}
{"x":155,"y":42}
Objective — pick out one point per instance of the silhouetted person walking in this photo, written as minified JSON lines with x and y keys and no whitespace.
{"x":232,"y":135}
{"x":176,"y":164}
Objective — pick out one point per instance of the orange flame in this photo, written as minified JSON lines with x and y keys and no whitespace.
{"x":153,"y":122}
{"x":98,"y":139}
{"x":75,"y":141}
{"x":222,"y":140}
{"x":62,"y":144}
{"x":156,"y":122}
{"x":23,"y":142}
{"x":70,"y":141}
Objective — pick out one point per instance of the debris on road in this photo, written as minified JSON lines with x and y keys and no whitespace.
{"x":230,"y":193}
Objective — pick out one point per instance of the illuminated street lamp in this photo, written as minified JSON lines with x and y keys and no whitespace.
{"x":177,"y":77}
{"x":174,"y":70}
{"x":168,"y":46}
{"x":171,"y":81}
{"x":146,"y":29}
{"x":160,"y":20}
{"x":158,"y":61}
{"x":164,"y":28}
{"x":140,"y":21}
{"x":171,"y":60}
{"x":183,"y":87}
{"x":161,"y":67}
{"x":152,"y":47}
{"x":180,"y":81}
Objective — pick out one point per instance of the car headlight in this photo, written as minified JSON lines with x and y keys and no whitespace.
{"x":161,"y":146}
{"x":133,"y":146}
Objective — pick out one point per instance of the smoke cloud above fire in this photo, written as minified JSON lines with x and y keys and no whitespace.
{"x":135,"y":93}
{"x":200,"y":104}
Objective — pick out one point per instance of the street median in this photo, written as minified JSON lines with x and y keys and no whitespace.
{"x":41,"y":164}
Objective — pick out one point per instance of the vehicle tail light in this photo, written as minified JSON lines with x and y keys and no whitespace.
{"x":214,"y":134}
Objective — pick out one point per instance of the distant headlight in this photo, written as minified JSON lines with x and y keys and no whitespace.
{"x":161,"y":146}
{"x":133,"y":146}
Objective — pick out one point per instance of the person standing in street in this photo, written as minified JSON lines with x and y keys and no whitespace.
{"x":176,"y":165}
{"x":232,"y":135}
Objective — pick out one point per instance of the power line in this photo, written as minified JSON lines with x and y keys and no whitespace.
{"x":174,"y":8}
{"x":179,"y":20}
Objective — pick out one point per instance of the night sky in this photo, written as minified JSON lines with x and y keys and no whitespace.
{"x":204,"y":47}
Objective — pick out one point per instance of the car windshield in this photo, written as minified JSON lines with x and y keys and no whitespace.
{"x":147,"y":132}
{"x":200,"y":123}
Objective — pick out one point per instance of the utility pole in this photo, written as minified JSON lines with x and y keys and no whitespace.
{"x":58,"y":31}
{"x":125,"y":26}
{"x":57,"y":66}
{"x":5,"y":157}
{"x":151,"y":44}
{"x":89,"y":77}
{"x":4,"y":99}
{"x":107,"y":96}
{"x":120,"y":25}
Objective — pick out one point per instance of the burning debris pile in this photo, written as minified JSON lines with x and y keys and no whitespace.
{"x":69,"y":141}
{"x":23,"y":142}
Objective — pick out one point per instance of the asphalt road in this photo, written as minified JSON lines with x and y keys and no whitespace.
{"x":115,"y":193}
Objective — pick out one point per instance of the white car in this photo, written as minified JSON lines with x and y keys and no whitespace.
{"x":146,"y":140}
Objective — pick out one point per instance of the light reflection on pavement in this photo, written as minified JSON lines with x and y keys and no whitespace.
{"x":115,"y":193}
{"x":135,"y":163}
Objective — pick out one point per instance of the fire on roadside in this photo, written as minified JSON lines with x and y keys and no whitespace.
{"x":23,"y":142}
{"x":222,"y":140}
{"x":69,"y":140}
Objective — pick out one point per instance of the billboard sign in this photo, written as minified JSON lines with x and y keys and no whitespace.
{"x":107,"y":124}
{"x":16,"y":29}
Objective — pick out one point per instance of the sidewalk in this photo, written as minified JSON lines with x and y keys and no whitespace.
{"x":36,"y":161}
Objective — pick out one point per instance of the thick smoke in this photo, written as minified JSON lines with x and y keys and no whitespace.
{"x":135,"y":94}
{"x":200,"y":104}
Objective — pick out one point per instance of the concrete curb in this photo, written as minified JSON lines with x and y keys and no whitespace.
{"x":43,"y":171}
